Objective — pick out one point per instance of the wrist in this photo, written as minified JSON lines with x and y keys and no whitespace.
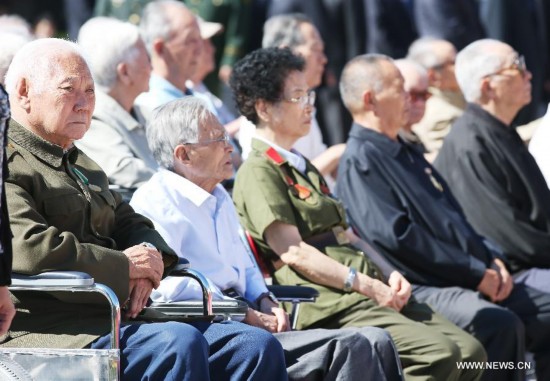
{"x":350,"y":280}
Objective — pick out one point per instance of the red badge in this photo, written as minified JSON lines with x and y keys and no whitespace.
{"x":302,"y":191}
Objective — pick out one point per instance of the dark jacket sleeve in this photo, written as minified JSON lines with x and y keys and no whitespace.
{"x":380,"y":217}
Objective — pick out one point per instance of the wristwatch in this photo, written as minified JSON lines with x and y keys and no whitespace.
{"x":271,"y":296}
{"x":348,"y":284}
{"x":149,"y":245}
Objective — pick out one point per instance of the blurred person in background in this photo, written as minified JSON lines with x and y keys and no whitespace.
{"x":446,"y":102}
{"x":121,"y":69}
{"x":416,"y":85}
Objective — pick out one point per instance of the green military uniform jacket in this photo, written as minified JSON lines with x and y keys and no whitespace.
{"x":64,"y":217}
{"x":262,"y":195}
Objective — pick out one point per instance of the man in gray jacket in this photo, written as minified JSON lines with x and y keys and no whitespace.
{"x":121,"y":70}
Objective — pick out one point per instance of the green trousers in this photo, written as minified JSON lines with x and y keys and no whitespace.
{"x":429,"y":345}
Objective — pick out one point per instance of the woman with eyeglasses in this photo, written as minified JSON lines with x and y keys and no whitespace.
{"x":301,"y":232}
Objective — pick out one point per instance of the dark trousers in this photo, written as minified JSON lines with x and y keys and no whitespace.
{"x":505,"y":329}
{"x":198,"y":351}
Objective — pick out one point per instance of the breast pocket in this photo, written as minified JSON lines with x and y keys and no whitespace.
{"x":63,"y":211}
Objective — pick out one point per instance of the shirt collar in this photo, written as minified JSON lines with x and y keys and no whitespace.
{"x":489,"y":122}
{"x":160,"y":84}
{"x":292,"y":156}
{"x":107,"y":107}
{"x":381,"y":141}
{"x":45,"y":151}
{"x":189,"y":190}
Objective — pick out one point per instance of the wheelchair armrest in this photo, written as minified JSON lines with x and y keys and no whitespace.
{"x":53,"y":279}
{"x":295,"y":294}
{"x":73,"y":281}
{"x":183,"y":269}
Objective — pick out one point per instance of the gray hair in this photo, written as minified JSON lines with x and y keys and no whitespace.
{"x":34,"y":62}
{"x":360,"y":74}
{"x":10,"y":43}
{"x":174,"y":123}
{"x":156,"y":22}
{"x":17,"y":25}
{"x":475,"y":62}
{"x":405,"y":64}
{"x":108,"y":42}
{"x":424,"y":52}
{"x":283,"y":30}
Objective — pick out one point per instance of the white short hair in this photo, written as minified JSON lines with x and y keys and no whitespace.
{"x":174,"y":123}
{"x":475,"y":62}
{"x":33,"y":61}
{"x":10,"y":43}
{"x":108,"y":42}
{"x":17,"y":25}
{"x":156,"y":22}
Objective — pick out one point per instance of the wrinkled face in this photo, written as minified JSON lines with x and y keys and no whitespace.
{"x":313,"y":52}
{"x":416,"y":85}
{"x":62,"y":112}
{"x":184,"y":45}
{"x":140,"y":68}
{"x":291,"y":116}
{"x":211,"y":156}
{"x":512,"y":83}
{"x":391,"y":103}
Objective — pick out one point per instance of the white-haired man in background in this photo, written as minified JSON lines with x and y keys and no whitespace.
{"x":493,"y":176}
{"x":121,"y":69}
{"x":446,"y":103}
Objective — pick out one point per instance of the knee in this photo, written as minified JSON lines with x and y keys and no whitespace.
{"x":180,"y":338}
{"x":501,"y":323}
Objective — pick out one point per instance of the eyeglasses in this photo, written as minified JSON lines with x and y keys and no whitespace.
{"x":304,"y":100}
{"x":419,"y":95}
{"x":518,"y":64}
{"x":222,"y":139}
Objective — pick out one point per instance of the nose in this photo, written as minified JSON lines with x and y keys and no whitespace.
{"x":84,"y":102}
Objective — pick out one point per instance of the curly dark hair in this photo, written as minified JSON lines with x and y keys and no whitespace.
{"x":261,"y":75}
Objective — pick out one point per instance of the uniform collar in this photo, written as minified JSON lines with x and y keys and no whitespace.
{"x":381,"y":141}
{"x":45,"y":151}
{"x":293,"y":157}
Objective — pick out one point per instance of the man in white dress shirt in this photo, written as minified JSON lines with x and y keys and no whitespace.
{"x":196,"y":217}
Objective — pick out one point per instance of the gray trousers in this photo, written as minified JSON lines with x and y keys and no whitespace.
{"x":505,"y":329}
{"x":340,"y":354}
{"x":535,"y":277}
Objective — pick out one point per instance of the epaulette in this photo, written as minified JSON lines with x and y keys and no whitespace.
{"x":274,"y":156}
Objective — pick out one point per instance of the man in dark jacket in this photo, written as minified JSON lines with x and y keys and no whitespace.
{"x":491,"y":172}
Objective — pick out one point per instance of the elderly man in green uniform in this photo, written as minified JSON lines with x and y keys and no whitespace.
{"x":64,"y":217}
{"x":285,"y":204}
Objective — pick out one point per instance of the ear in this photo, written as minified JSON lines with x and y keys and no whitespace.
{"x":158,"y":47}
{"x":263,"y":109}
{"x":369,"y":101}
{"x":181,"y":155}
{"x":122,"y":73}
{"x":487,"y":90}
{"x":22,"y":94}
